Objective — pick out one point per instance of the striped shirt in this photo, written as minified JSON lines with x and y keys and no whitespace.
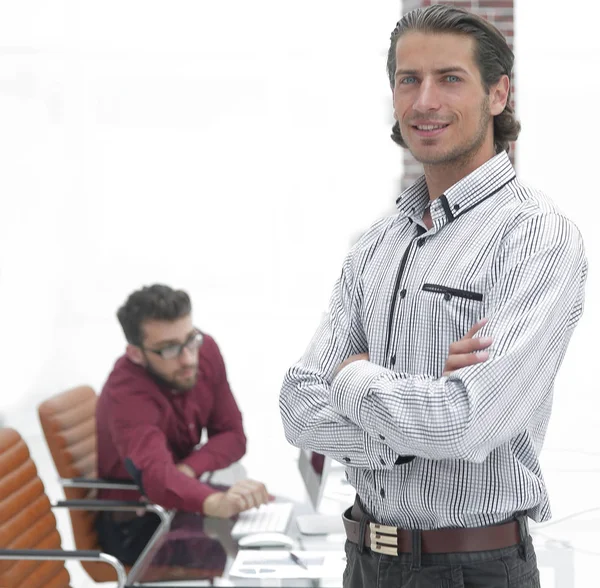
{"x":424,"y":450}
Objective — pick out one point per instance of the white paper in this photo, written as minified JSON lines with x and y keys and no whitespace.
{"x":254,"y":563}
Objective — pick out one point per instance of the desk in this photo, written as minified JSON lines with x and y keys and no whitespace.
{"x":208,"y":543}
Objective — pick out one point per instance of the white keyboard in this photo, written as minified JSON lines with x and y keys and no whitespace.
{"x":267,"y":518}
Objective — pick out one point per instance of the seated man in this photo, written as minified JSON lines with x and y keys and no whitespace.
{"x":170,"y":385}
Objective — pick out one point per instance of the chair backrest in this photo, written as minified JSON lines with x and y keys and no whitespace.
{"x":26,"y":519}
{"x":68,"y":420}
{"x":69,"y":424}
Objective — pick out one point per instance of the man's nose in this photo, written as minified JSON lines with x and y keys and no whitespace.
{"x":187,"y":357}
{"x":428,"y":98}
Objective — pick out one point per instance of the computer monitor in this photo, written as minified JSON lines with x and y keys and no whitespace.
{"x":314,"y":469}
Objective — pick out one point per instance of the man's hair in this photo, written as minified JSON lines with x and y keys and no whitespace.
{"x":493,"y":56}
{"x":156,"y":302}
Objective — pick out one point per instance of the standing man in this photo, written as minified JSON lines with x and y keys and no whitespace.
{"x":445,"y":459}
{"x":169,"y":386}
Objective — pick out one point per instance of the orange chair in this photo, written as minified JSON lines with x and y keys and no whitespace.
{"x":30,"y":548}
{"x":69,"y":424}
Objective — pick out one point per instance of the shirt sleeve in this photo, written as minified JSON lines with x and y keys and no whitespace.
{"x":309,"y":419}
{"x":226,"y":439}
{"x":534,"y":301}
{"x":137,"y":434}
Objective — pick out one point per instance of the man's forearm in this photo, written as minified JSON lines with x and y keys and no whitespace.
{"x":311,"y":423}
{"x":395,"y":407}
{"x":219,"y":452}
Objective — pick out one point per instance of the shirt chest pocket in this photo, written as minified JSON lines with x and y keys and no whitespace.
{"x":448,"y":292}
{"x":453,"y":307}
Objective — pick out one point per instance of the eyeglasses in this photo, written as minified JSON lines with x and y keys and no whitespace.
{"x":174,"y":350}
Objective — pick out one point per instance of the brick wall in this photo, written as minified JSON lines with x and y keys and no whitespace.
{"x":498,"y":12}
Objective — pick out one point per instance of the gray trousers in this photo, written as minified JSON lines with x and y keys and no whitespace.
{"x":511,"y":567}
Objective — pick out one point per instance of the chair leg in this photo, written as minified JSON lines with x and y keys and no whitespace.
{"x":145,"y":558}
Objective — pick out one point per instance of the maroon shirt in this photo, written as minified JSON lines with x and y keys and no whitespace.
{"x":144,"y":420}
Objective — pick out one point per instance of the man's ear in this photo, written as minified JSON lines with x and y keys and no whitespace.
{"x":499,"y":95}
{"x":135,"y":354}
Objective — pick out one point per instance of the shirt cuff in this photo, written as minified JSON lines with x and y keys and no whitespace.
{"x":351,"y":386}
{"x":203,"y":493}
{"x":379,"y":455}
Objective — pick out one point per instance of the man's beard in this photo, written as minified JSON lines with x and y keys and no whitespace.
{"x":171,"y":383}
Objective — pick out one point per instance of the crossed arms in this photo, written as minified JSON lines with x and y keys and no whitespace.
{"x":365,"y":415}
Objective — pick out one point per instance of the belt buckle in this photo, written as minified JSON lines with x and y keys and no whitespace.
{"x":382,"y":537}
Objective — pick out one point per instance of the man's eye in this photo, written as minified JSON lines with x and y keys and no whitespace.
{"x":170,"y":350}
{"x":408,"y":80}
{"x":453,"y":79}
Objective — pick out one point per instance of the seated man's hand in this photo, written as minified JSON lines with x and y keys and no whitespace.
{"x":241,"y":496}
{"x":462,"y":352}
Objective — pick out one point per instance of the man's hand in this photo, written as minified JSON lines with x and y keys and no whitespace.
{"x":348,"y":361}
{"x":461,"y":352}
{"x":186,"y":469}
{"x":250,"y":493}
{"x":241,"y":496}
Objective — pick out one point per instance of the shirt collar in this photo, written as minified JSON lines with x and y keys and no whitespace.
{"x":467,"y":193}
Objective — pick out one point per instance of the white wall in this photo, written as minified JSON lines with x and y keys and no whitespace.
{"x":558,"y":92}
{"x":235,"y":149}
{"x":229,"y":148}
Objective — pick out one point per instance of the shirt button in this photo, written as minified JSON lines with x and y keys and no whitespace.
{"x":421,"y":242}
{"x":347,"y":459}
{"x":447,"y":296}
{"x":403,"y":293}
{"x":382,"y":460}
{"x":382,"y":492}
{"x":456,"y":206}
{"x":382,"y":437}
{"x":393,"y":360}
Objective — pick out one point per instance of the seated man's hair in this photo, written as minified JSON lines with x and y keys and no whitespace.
{"x":156,"y":302}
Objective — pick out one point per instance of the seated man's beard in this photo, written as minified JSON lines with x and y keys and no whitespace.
{"x":172,"y":383}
